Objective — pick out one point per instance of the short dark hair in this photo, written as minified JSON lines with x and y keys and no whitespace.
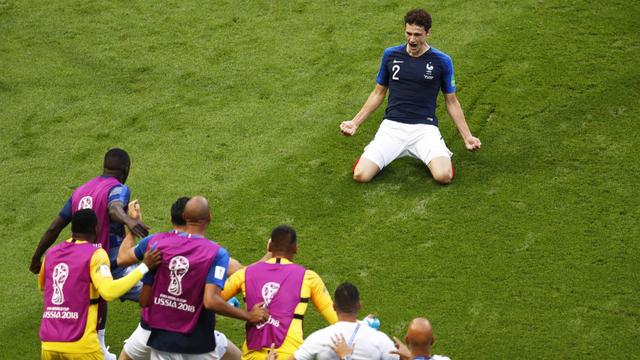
{"x":84,"y":222}
{"x":347,"y":298}
{"x":419,"y":17}
{"x":116,"y":159}
{"x":283,"y":238}
{"x":177,"y":209}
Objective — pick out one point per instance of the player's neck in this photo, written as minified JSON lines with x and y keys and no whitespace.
{"x":422,"y":51}
{"x":283,"y":255}
{"x":421,"y":353}
{"x":347,"y":317}
{"x":195,"y":229}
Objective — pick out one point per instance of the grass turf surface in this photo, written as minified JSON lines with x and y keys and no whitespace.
{"x":532,"y":252}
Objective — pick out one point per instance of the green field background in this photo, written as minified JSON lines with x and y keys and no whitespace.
{"x":531,"y":253}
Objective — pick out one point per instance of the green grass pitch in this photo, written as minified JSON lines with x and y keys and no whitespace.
{"x":532,"y":252}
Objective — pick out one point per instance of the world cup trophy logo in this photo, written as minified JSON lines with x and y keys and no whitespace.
{"x":85,"y":203}
{"x":60,"y":274}
{"x":269,"y":291}
{"x":179,"y":265}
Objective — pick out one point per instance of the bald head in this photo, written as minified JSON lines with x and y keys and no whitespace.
{"x":420,"y":337}
{"x":196,"y":211}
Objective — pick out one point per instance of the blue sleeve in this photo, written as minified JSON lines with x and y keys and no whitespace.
{"x":383,"y":73}
{"x":448,"y":79}
{"x":141,"y":248}
{"x":65,"y":213}
{"x":148,"y":278}
{"x":218,"y":272}
{"x":119,"y":193}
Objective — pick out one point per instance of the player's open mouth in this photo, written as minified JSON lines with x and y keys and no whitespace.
{"x":413,"y":46}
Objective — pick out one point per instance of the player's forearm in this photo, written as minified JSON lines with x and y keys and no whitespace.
{"x":221,"y":307}
{"x":376,"y":98}
{"x":117,"y":213}
{"x":457,"y":115}
{"x":50,"y":236}
{"x":110,"y":289}
{"x":126,"y":255}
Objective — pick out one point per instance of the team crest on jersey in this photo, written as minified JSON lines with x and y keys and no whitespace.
{"x":85,"y":203}
{"x":429,"y":74}
{"x":178,"y":267}
{"x":60,"y":275}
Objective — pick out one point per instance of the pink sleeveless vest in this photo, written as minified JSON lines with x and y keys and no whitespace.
{"x":278,"y":286}
{"x":94,"y":194}
{"x":66,"y":291}
{"x":178,"y":287}
{"x":144,"y":312}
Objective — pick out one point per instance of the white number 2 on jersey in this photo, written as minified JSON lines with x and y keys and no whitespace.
{"x":395,"y":69}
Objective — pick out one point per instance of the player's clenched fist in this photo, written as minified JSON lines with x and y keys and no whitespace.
{"x":472,"y":143}
{"x":348,"y":128}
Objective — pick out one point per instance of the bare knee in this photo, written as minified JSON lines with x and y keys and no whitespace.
{"x":361,"y":176}
{"x":442,"y":177}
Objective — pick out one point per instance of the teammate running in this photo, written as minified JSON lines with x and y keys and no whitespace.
{"x":108,"y":197}
{"x":285,"y":288}
{"x":414,"y":73}
{"x":73,"y":276}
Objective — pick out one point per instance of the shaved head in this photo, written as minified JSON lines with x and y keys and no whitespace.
{"x":420,"y":336}
{"x":197,"y":211}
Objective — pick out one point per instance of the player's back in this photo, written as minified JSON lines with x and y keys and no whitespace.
{"x":370,"y":344}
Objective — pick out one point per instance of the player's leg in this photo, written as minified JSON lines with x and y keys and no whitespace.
{"x":441,"y":169}
{"x":386,"y":146}
{"x":365,"y":170}
{"x":431,"y":149}
{"x":135,"y":347}
{"x":225,"y":349}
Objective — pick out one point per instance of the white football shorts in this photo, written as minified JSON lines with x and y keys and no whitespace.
{"x":395,"y":140}
{"x":137,"y":349}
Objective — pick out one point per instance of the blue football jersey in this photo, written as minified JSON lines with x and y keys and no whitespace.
{"x":414,"y":84}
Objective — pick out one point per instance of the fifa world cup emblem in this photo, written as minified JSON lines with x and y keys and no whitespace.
{"x":85,"y":203}
{"x":60,"y":274}
{"x":178,"y":267}
{"x":269,"y":291}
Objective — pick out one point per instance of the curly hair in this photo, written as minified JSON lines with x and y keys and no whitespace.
{"x":419,"y":17}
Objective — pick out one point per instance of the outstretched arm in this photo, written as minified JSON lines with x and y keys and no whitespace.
{"x":454,"y":109}
{"x":376,"y":98}
{"x":48,"y":238}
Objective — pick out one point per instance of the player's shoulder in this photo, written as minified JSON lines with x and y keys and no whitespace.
{"x":441,"y":54}
{"x":394,"y":50}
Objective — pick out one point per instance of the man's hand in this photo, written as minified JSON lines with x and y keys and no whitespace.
{"x":472,"y":143}
{"x":134,"y":210}
{"x":258,"y":314}
{"x":348,"y":128}
{"x":401,"y":349}
{"x":272,"y":355}
{"x":340,"y":346}
{"x":138,"y":228}
{"x":36,"y":264}
{"x":152,"y":258}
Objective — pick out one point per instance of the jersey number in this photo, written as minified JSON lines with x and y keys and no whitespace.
{"x":395,"y":69}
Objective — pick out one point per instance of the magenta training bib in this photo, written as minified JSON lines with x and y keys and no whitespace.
{"x":66,"y":291}
{"x":94,"y":194}
{"x":178,"y":287}
{"x":278,"y":286}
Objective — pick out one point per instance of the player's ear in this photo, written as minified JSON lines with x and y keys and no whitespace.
{"x":433,"y":340}
{"x":269,"y":246}
{"x":294,"y":249}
